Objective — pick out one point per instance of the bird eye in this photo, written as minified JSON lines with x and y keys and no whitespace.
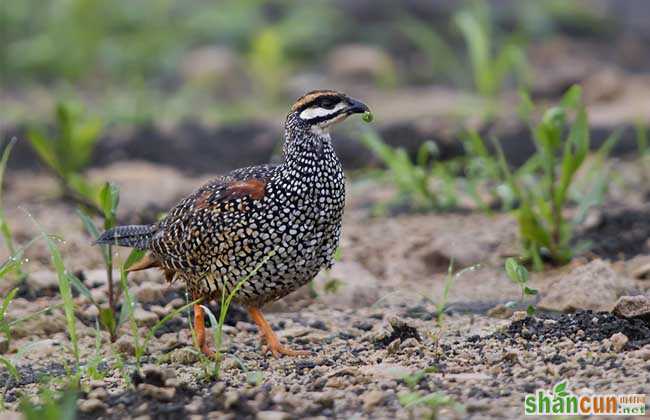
{"x":327,"y":103}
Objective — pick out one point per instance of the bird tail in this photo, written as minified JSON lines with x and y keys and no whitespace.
{"x":131,"y":236}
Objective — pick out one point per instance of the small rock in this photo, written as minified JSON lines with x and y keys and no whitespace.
{"x":158,"y":310}
{"x":594,"y":286}
{"x":125,"y":345}
{"x":372,"y":399}
{"x":231,"y":398}
{"x":643,"y":353}
{"x":230,"y":363}
{"x":98,"y":394}
{"x":194,"y":406}
{"x":500,"y":311}
{"x":356,"y":286}
{"x":633,"y":307}
{"x":144,"y":317}
{"x":336,"y":382}
{"x":4,"y":345}
{"x":156,"y":392}
{"x":294,"y":332}
{"x":148,"y":292}
{"x":91,"y":405}
{"x":386,"y":370}
{"x":91,"y":312}
{"x":184,"y":356}
{"x":174,"y":304}
{"x":272,"y":415}
{"x":394,"y":346}
{"x":519,"y":316}
{"x":549,"y":323}
{"x":639,"y":267}
{"x":217,"y":389}
{"x":410,"y":342}
{"x":619,"y":340}
{"x":97,"y":277}
{"x":42,"y":280}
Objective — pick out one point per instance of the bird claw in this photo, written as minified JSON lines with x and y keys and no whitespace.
{"x":278,"y":350}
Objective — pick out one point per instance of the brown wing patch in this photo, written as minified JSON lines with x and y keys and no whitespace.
{"x":203,"y":200}
{"x":311,"y":96}
{"x":254,"y":188}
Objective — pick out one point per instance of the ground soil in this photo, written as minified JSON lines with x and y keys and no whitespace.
{"x":374,"y":340}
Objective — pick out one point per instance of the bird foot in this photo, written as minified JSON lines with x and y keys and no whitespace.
{"x":278,"y":350}
{"x":272,"y":342}
{"x":206,"y":350}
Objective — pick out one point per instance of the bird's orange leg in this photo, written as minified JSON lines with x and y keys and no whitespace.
{"x":199,"y":327}
{"x":271,"y":339}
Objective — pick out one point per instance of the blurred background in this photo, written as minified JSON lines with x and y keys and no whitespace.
{"x":173,"y":80}
{"x":203,"y":87}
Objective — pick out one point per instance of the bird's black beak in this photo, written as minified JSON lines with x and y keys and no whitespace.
{"x":357,"y":107}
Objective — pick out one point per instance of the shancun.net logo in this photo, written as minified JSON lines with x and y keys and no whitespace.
{"x":562,"y":401}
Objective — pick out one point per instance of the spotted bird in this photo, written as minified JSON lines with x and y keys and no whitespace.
{"x":280,"y":224}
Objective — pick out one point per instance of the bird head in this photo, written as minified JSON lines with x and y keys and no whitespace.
{"x":320,"y":109}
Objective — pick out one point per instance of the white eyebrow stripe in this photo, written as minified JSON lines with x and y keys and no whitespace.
{"x":316,"y":112}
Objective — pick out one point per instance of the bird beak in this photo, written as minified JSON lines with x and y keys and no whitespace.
{"x":356,"y":107}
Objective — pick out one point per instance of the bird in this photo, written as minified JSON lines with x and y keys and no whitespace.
{"x":277,"y":225}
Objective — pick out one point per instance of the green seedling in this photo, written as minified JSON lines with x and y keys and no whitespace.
{"x":109,"y":198}
{"x":435,"y":401}
{"x":69,"y":153}
{"x":64,"y":278}
{"x":442,"y":302}
{"x":5,"y":230}
{"x":53,"y":405}
{"x":643,"y":147}
{"x":5,"y":326}
{"x":518,"y":274}
{"x":489,"y":68}
{"x":128,"y":305}
{"x":215,"y":371}
{"x":543,"y":227}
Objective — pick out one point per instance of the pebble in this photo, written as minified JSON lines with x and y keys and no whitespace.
{"x":619,"y":340}
{"x":156,"y":392}
{"x":184,"y":356}
{"x":231,"y":398}
{"x":146,"y":318}
{"x":633,"y":307}
{"x":98,"y":393}
{"x":194,"y":406}
{"x":217,"y":389}
{"x":372,"y":399}
{"x":174,"y":304}
{"x":500,"y":312}
{"x":125,"y":345}
{"x":519,"y":316}
{"x":4,"y":345}
{"x":149,"y":292}
{"x":394,"y":346}
{"x":91,"y":405}
{"x":42,"y":280}
{"x":273,"y":415}
{"x":643,"y":353}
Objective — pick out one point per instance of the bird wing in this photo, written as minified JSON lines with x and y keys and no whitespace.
{"x":211,"y":220}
